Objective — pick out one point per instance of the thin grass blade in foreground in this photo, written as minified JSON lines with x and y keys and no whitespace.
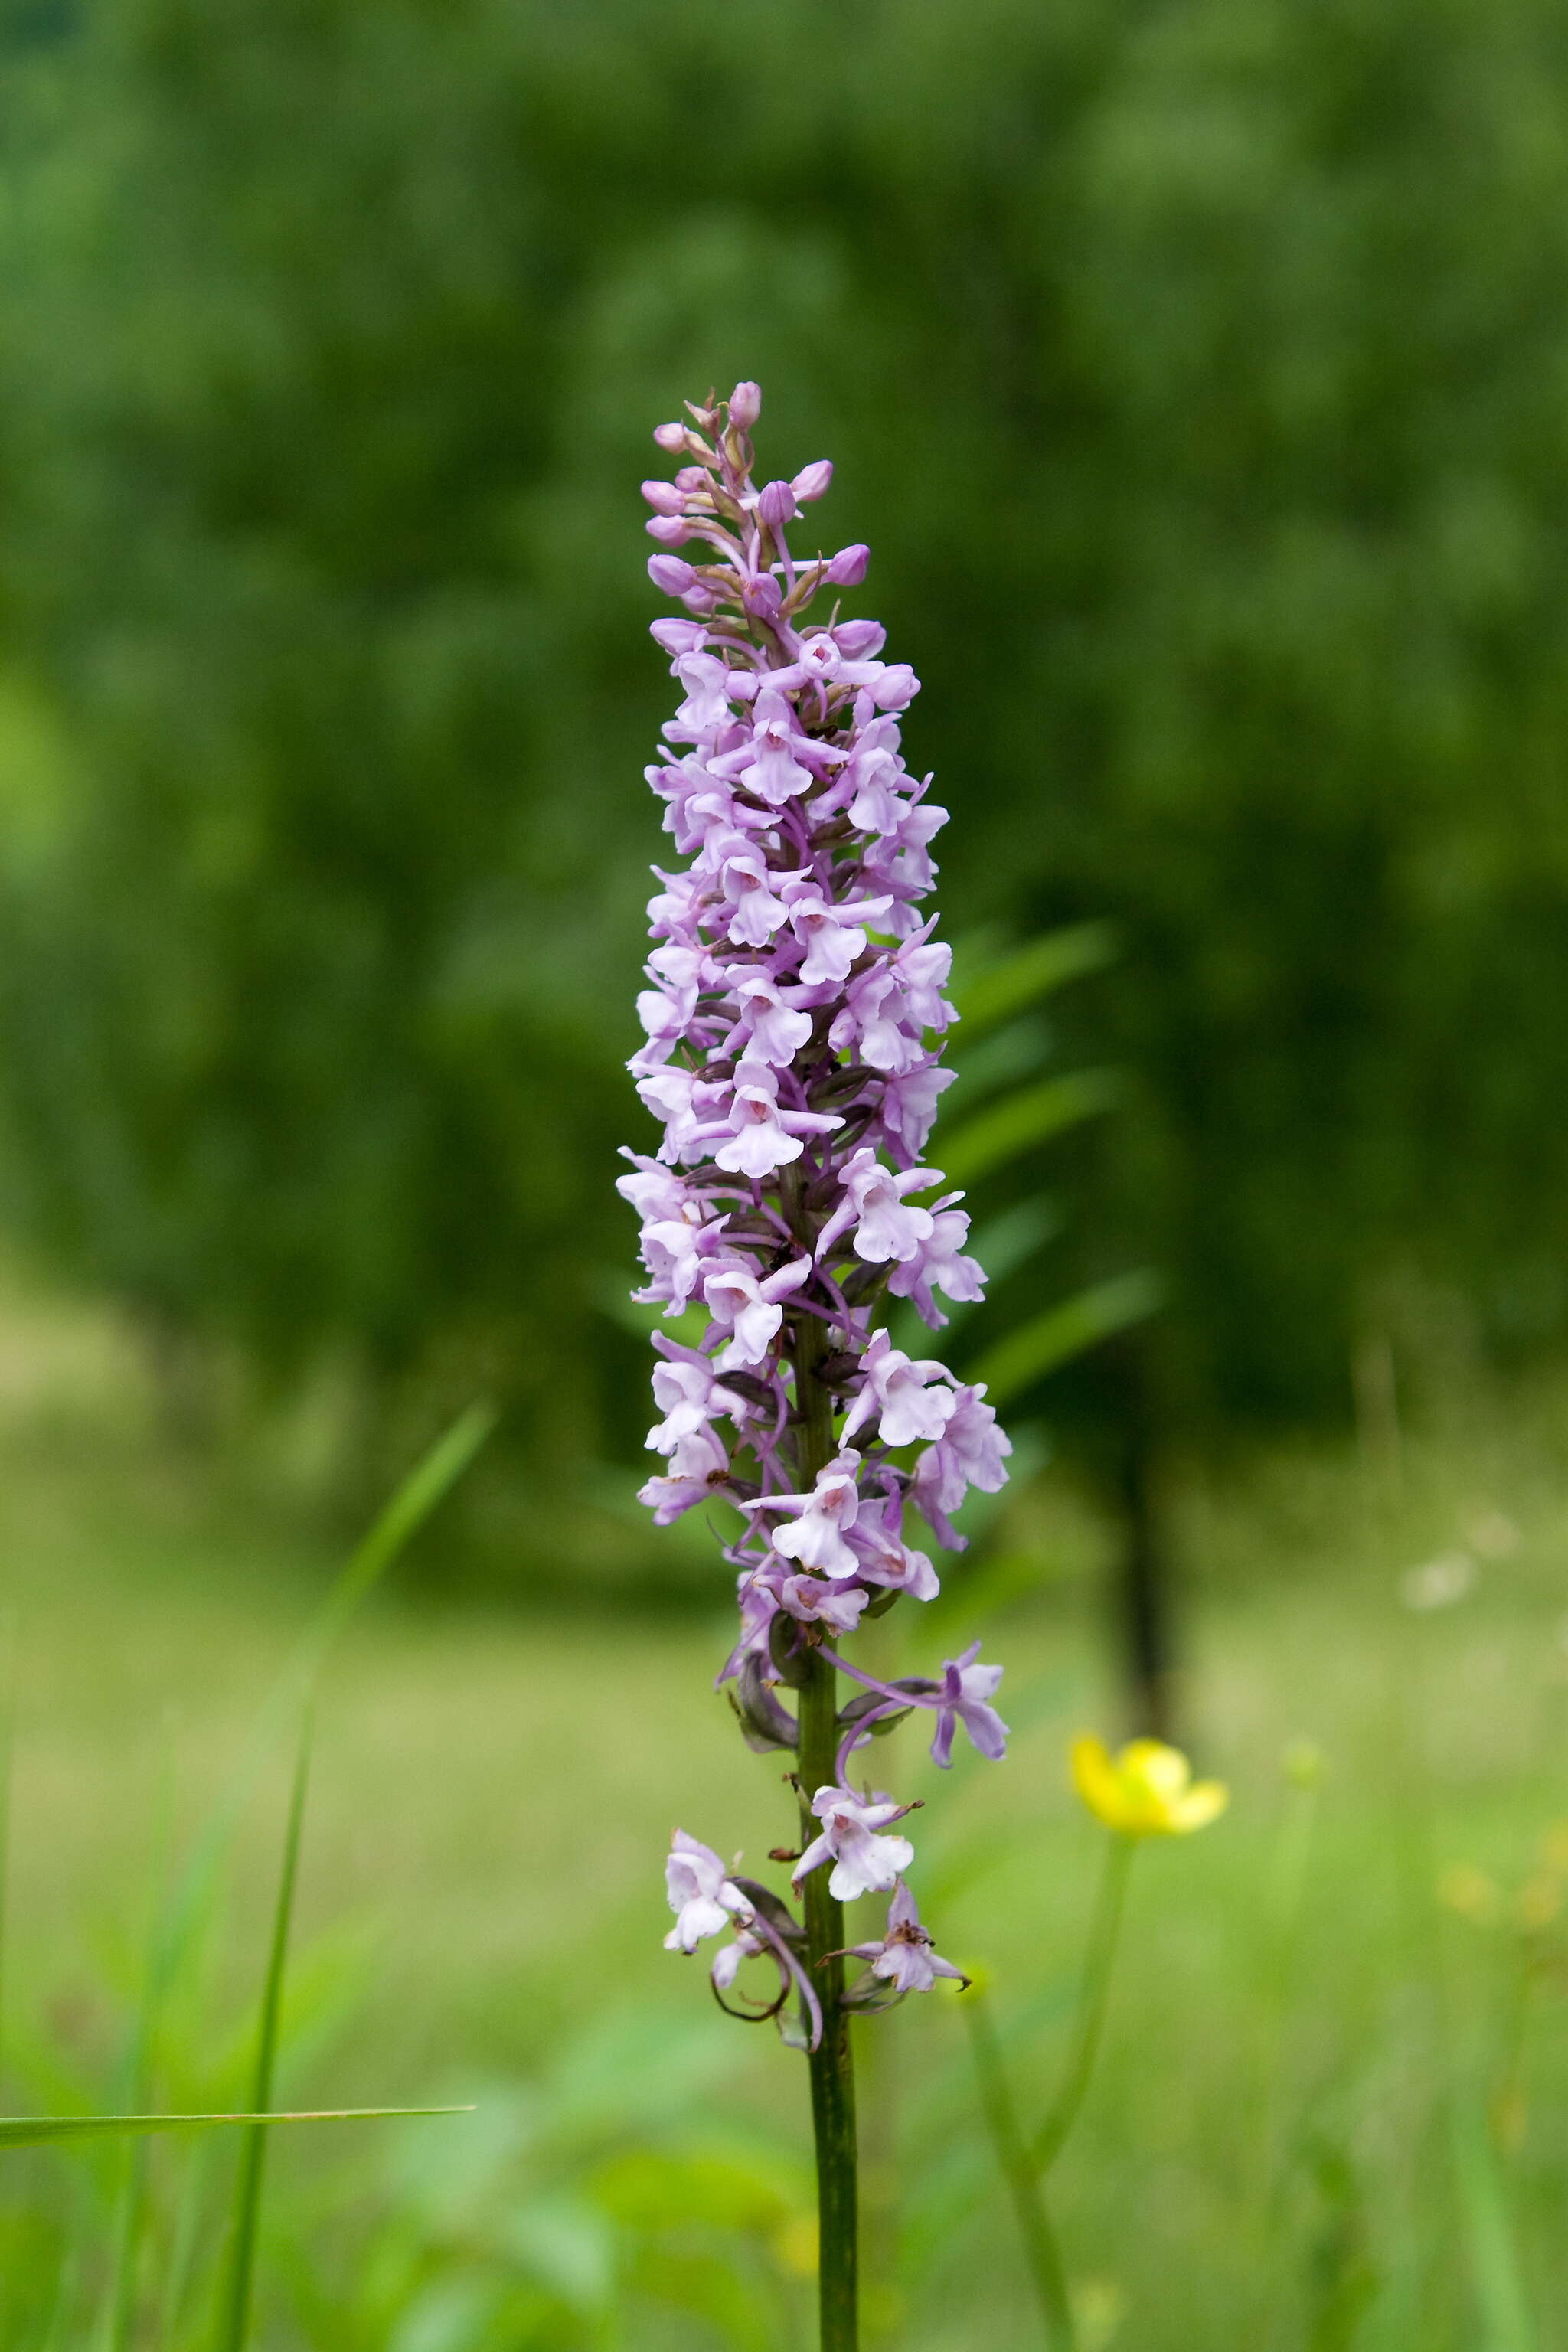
{"x":9,"y":1643}
{"x":431,"y":1479}
{"x":234,"y":2324}
{"x":137,"y":2084}
{"x":38,"y":2131}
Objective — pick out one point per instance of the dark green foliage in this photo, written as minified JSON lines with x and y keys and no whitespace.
{"x":1197,"y":375}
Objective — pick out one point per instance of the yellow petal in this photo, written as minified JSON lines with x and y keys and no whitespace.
{"x":1148,"y":1765}
{"x":1203,"y":1802}
{"x":1095,"y":1781}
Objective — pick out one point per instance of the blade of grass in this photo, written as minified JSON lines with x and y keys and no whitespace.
{"x":187,"y":2233}
{"x":1014,"y":1363}
{"x":56,"y":2337}
{"x":1030,"y":1115}
{"x":1024,"y":977}
{"x":1502,"y":2302}
{"x":137,"y":2081}
{"x":1042,"y":2251}
{"x":235,"y":2325}
{"x":431,"y":1479}
{"x":9,"y":1646}
{"x":189,"y":1899}
{"x":39,"y":2131}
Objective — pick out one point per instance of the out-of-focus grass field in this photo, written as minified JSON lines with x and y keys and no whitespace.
{"x":1310,"y":2128}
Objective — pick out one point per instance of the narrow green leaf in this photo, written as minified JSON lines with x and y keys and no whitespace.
{"x":235,"y":2323}
{"x":37,"y":2131}
{"x":1502,"y":2301}
{"x":1062,"y":1332}
{"x":1032,"y":973}
{"x":135,"y":2084}
{"x":432,"y":1478}
{"x":429,"y":1481}
{"x":1003,"y":1058}
{"x":1004,"y":1130}
{"x":9,"y":1647}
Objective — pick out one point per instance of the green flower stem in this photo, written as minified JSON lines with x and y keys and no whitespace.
{"x":1094,"y":1992}
{"x":1016,"y":2162}
{"x":832,"y":2065}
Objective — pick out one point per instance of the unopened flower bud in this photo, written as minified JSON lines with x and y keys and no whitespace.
{"x":858,"y":640}
{"x":812,"y":481}
{"x":691,"y":478}
{"x":664,"y":497}
{"x":764,"y":1722}
{"x":671,"y":437}
{"x":669,"y":573}
{"x":679,"y":636}
{"x":763,"y":595}
{"x":775,"y":504}
{"x":847,"y":568}
{"x":670,"y":530}
{"x":745,"y":406}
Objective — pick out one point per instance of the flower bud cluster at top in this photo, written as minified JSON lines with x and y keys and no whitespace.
{"x":795,"y":1015}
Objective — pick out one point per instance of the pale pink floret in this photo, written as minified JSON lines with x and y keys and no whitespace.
{"x":875,"y":1023}
{"x":699,"y":1468}
{"x":676,"y":1251}
{"x":886,"y":1559}
{"x":653,"y":1189}
{"x":899,"y":1396}
{"x":700,"y":1896}
{"x":727,"y":1959}
{"x":872,"y":1200}
{"x":748,"y":888}
{"x":814,"y":1535}
{"x":967,"y":1690}
{"x":764,"y":1134}
{"x":864,"y":1862}
{"x":814,"y":1599}
{"x":909,"y":1107}
{"x":688,"y":1395}
{"x":938,"y":1264}
{"x":832,"y":934}
{"x":971,"y":1452}
{"x":769,"y":1028}
{"x":748,"y":1307}
{"x":904,"y":1956}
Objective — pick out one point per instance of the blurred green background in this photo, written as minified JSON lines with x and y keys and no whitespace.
{"x":1198,"y":374}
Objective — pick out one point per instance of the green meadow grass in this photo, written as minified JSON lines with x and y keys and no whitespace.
{"x":1332,"y":2109}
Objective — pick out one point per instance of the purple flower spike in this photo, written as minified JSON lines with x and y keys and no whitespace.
{"x":790,"y":1051}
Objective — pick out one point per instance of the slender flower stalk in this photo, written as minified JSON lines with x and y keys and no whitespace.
{"x":1016,"y":2164}
{"x":793,"y":1018}
{"x":1147,"y":1791}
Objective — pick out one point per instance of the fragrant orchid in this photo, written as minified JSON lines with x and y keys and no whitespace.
{"x":793,"y":1025}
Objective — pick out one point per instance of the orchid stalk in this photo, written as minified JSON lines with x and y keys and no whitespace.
{"x":793,"y":1018}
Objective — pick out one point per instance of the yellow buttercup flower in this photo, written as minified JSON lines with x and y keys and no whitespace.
{"x":1148,"y":1791}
